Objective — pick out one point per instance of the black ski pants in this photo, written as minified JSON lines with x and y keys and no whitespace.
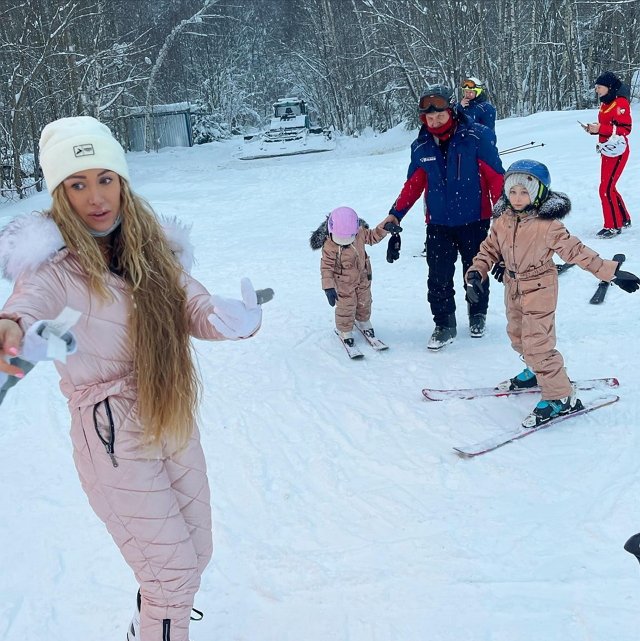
{"x":443,"y":245}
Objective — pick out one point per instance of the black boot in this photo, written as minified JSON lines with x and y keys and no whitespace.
{"x":443,"y":334}
{"x":633,"y":546}
{"x":477,"y":324}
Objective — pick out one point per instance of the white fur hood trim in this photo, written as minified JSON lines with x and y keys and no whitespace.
{"x":30,"y":240}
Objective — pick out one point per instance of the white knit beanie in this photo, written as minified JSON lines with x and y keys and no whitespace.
{"x":70,"y":145}
{"x":530,"y":183}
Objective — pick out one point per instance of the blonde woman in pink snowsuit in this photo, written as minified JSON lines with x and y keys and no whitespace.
{"x":131,"y":383}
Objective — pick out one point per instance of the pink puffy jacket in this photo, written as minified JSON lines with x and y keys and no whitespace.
{"x":155,"y":505}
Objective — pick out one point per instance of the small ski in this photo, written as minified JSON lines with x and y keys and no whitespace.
{"x":353,"y":352}
{"x":480,"y":392}
{"x":490,"y":444}
{"x":563,"y":267}
{"x":374,"y":342}
{"x":603,"y":285}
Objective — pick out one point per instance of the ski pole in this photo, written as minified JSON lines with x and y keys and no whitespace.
{"x":521,"y":148}
{"x":526,"y":144}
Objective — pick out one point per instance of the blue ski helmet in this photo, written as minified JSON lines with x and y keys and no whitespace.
{"x":536,"y":170}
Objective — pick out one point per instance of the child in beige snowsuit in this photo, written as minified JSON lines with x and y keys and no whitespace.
{"x":130,"y":381}
{"x":525,"y":234}
{"x":345,"y":269}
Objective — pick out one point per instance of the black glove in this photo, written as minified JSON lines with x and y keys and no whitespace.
{"x":627,"y":281}
{"x":332,"y":296}
{"x":498,"y":271}
{"x":392,"y":227}
{"x":393,"y":248}
{"x":475,"y":288}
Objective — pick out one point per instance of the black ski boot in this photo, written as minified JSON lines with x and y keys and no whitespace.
{"x":477,"y":324}
{"x":633,"y":546}
{"x":443,"y":334}
{"x":524,"y":380}
{"x":544,"y":411}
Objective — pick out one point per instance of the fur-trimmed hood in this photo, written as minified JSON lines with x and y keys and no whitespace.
{"x":317,"y":238}
{"x":30,"y":240}
{"x":556,"y":206}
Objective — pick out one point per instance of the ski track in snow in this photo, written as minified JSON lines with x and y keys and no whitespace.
{"x":341,"y":511}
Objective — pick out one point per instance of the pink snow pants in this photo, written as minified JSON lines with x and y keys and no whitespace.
{"x":156,"y":509}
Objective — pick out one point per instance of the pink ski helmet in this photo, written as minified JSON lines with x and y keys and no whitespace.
{"x":343,"y":224}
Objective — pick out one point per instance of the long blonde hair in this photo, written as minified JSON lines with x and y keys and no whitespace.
{"x":166,"y":377}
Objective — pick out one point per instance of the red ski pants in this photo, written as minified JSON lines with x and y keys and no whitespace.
{"x":613,"y":208}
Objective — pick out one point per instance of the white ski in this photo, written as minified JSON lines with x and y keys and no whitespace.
{"x":374,"y":342}
{"x":353,"y":352}
{"x":470,"y":451}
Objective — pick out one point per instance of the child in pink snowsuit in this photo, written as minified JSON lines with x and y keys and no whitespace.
{"x":345,"y":268}
{"x":525,"y":234}
{"x":131,"y":385}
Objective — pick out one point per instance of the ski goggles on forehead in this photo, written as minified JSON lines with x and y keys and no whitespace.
{"x":469,"y":84}
{"x":429,"y":104}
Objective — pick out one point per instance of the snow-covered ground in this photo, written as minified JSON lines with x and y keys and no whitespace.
{"x":342,"y":513}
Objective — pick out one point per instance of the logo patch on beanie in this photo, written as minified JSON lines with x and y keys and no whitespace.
{"x":83,"y":150}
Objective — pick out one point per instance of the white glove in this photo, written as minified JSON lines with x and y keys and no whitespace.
{"x":237,"y":318}
{"x":40,"y":343}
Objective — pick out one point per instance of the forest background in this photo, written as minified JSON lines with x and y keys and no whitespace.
{"x":357,"y":63}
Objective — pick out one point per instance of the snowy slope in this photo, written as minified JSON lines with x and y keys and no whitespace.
{"x":341,"y":511}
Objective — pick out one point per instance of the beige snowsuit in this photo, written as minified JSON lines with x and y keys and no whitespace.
{"x":348,"y":271}
{"x":526,"y":243}
{"x":156,"y":505}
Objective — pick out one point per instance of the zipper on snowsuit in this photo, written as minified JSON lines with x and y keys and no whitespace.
{"x":109,"y":443}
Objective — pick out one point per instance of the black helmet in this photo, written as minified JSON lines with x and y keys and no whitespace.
{"x":435,"y":98}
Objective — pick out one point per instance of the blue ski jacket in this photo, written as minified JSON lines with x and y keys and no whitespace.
{"x":459,"y":187}
{"x":480,"y":110}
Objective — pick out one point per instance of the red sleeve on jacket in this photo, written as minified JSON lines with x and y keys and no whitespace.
{"x":491,"y":185}
{"x":411,"y":191}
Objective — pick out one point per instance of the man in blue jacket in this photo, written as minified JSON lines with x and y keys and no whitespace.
{"x":455,"y":163}
{"x":475,"y":105}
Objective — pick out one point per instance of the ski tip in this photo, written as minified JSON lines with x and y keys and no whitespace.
{"x":462,"y":454}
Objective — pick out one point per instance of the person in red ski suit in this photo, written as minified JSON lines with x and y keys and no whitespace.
{"x":614,"y":119}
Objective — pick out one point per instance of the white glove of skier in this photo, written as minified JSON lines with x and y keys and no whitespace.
{"x":239,"y":318}
{"x":42,"y":343}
